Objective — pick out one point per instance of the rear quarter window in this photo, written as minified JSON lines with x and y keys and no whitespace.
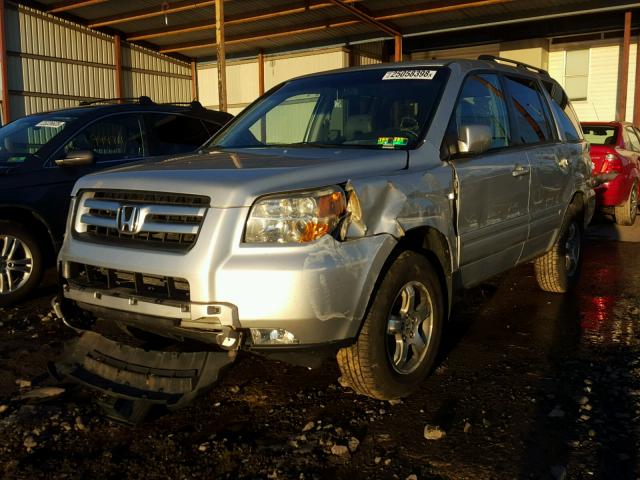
{"x":532,"y":121}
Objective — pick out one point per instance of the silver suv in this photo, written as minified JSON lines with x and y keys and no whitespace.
{"x":339,"y":213}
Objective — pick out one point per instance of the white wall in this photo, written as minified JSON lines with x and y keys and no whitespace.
{"x":602,"y":88}
{"x":242,"y":76}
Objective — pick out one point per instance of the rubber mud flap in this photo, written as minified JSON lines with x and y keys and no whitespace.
{"x":137,"y":379}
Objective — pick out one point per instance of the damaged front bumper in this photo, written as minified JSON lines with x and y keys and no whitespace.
{"x":133,"y":379}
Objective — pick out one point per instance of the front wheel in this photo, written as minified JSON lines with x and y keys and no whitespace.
{"x":558,"y":270}
{"x":399,"y":340}
{"x":626,"y":213}
{"x":21,"y":263}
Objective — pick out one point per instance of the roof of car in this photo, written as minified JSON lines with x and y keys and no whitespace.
{"x":489,"y":62}
{"x":193,"y":109}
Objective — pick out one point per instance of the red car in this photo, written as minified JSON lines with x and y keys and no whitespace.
{"x":615,"y":153}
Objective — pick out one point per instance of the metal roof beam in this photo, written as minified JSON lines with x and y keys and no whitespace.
{"x":431,"y":8}
{"x":422,"y":9}
{"x":150,"y":12}
{"x":260,"y":36}
{"x":72,"y":5}
{"x":290,"y":9}
{"x":367,"y":18}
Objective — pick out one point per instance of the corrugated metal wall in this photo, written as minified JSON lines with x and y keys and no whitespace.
{"x":463,"y":52}
{"x":149,"y":73}
{"x":367,"y":54}
{"x":55,"y":63}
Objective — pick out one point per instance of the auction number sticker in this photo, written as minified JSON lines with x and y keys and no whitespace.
{"x":409,"y":75}
{"x":50,"y":124}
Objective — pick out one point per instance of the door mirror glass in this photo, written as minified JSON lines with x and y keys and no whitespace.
{"x":76,"y":159}
{"x":474,"y":139}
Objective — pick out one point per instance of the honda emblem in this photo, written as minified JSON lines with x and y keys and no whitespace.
{"x":128,"y":219}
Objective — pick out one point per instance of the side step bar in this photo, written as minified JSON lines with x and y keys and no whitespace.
{"x":135,"y":379}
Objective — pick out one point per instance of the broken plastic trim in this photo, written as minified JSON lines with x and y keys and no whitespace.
{"x":135,"y":379}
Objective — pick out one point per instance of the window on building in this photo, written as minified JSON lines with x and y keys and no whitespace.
{"x":576,"y":74}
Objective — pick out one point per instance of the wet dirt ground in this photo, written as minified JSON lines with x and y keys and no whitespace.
{"x":529,"y":385}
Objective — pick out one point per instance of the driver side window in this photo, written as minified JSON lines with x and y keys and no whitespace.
{"x":116,"y":137}
{"x":481,"y":102}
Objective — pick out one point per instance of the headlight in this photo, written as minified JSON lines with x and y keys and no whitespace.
{"x":297,"y":217}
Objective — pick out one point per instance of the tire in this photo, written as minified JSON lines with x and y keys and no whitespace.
{"x":374,"y":365}
{"x":626,"y":213}
{"x":559,"y":269}
{"x":21,"y":263}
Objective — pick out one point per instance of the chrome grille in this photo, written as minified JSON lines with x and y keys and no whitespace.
{"x":162,"y":220}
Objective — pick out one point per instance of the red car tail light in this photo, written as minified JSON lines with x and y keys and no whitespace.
{"x":612,"y":163}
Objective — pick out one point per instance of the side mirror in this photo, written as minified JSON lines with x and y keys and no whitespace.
{"x":474,"y":139}
{"x":76,"y":159}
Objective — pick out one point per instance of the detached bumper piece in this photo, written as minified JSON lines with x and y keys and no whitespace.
{"x":135,"y":380}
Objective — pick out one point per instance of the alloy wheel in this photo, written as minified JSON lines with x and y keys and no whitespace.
{"x":410,"y":328}
{"x":16,"y":264}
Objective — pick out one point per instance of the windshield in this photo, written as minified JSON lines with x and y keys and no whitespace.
{"x":382,"y":108}
{"x":600,"y":134}
{"x":28,"y":135}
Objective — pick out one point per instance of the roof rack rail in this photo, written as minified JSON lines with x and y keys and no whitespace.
{"x":194,"y":104}
{"x":523,"y":66}
{"x":142,"y":100}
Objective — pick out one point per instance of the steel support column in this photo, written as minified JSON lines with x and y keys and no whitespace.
{"x":4,"y":67}
{"x":261,"y":73}
{"x":398,"y":48}
{"x":621,"y":110}
{"x":221,"y":61}
{"x":117,"y":56}
{"x":194,"y":81}
{"x":636,"y":97}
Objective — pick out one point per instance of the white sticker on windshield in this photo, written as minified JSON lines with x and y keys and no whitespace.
{"x":50,"y":124}
{"x":409,"y":75}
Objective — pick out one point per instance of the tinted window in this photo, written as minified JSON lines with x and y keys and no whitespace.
{"x":631,"y":140}
{"x":482,"y":103}
{"x":382,"y":108}
{"x":171,"y":133}
{"x":28,"y":135}
{"x":117,"y":137}
{"x":211,"y":127}
{"x":600,"y":134}
{"x":533,"y":124}
{"x":559,"y":96}
{"x":566,"y":125}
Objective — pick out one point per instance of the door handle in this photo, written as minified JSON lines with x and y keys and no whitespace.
{"x":519,"y":171}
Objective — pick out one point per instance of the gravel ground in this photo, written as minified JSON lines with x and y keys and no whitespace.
{"x":529,"y":385}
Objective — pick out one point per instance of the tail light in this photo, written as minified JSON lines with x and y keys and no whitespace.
{"x":612,"y":163}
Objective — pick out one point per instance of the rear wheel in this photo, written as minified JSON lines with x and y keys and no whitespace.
{"x":626,"y":213}
{"x":558,"y":270}
{"x":20,"y":263}
{"x":399,"y":340}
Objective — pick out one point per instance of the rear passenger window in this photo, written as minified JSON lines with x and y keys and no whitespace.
{"x":566,"y":125}
{"x":531,"y":116}
{"x":631,"y":140}
{"x":482,"y":103}
{"x":170,"y":133}
{"x":116,"y":137}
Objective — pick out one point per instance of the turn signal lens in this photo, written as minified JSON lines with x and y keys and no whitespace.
{"x":297,"y":217}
